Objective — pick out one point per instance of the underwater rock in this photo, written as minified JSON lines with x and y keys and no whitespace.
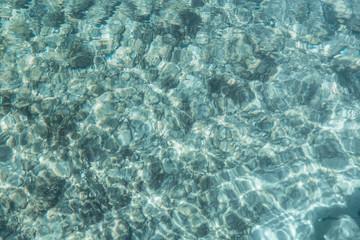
{"x":191,"y":22}
{"x":5,"y":153}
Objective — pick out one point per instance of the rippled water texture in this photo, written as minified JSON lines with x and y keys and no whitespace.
{"x":179,"y":119}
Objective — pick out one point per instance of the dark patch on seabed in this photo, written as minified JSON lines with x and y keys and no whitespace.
{"x":327,"y":217}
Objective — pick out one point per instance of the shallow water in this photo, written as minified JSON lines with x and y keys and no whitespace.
{"x":191,"y":119}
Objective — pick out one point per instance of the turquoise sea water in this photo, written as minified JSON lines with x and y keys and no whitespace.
{"x":180,"y":119}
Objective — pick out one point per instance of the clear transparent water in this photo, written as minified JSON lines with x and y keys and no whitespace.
{"x":201,"y":119}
